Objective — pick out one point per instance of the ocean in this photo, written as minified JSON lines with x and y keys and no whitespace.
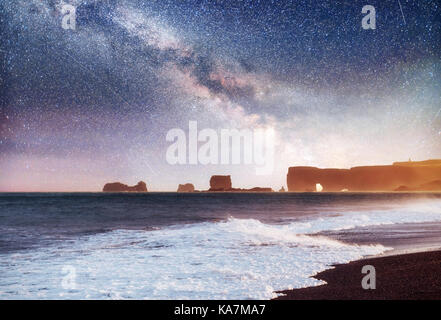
{"x":199,"y":245}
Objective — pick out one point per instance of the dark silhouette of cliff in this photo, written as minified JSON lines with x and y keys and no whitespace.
{"x":188,"y":187}
{"x":369,"y":178}
{"x":120,"y":187}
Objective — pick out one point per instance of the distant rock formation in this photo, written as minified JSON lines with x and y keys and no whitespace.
{"x":223,"y":184}
{"x":120,"y":187}
{"x":396,"y":177}
{"x":188,"y":187}
{"x":220,"y":183}
{"x":255,"y":189}
{"x":282,"y":189}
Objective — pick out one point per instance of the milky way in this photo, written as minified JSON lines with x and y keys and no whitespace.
{"x":91,"y":105}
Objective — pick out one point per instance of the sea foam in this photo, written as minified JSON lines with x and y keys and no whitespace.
{"x":232,"y":259}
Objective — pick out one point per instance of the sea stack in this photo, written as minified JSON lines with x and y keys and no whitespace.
{"x":120,"y":187}
{"x":188,"y":187}
{"x":220,"y":183}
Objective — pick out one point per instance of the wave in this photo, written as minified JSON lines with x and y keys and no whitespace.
{"x":232,"y":259}
{"x":419,"y":212}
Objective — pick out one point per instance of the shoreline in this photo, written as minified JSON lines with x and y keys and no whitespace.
{"x":408,"y":276}
{"x":228,"y":192}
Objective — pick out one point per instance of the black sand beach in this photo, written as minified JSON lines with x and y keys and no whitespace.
{"x":415,"y":276}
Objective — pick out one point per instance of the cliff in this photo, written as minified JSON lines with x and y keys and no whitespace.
{"x":188,"y":187}
{"x":120,"y":187}
{"x":368,"y":178}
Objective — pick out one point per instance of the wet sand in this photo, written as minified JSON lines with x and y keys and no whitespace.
{"x":398,"y":277}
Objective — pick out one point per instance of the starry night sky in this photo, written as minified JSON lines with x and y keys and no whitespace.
{"x":83,"y":107}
